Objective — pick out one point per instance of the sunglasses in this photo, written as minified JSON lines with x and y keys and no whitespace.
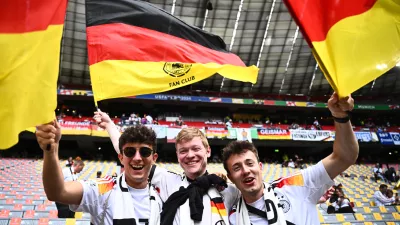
{"x":143,"y":151}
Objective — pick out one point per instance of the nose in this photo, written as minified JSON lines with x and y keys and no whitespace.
{"x":137,"y":156}
{"x":245,"y":170}
{"x":190,"y":154}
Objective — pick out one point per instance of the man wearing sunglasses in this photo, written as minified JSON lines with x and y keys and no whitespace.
{"x":127,"y":200}
{"x":192,"y":151}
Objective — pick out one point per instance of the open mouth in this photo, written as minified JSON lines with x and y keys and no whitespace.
{"x":191,"y":163}
{"x":137,"y":167}
{"x":248,"y":180}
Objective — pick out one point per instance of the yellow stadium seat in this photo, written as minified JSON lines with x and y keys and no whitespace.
{"x":377,"y":216}
{"x":321,"y":218}
{"x":78,"y":215}
{"x":340,"y":217}
{"x":359,"y":216}
{"x":382,"y":209}
{"x":368,"y":223}
{"x":70,"y":221}
{"x":367,"y":209}
{"x":396,"y":216}
{"x":372,"y":203}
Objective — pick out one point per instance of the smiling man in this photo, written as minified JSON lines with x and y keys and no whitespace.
{"x":290,"y":200}
{"x":128,"y":200}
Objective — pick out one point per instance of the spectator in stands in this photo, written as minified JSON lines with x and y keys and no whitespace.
{"x":155,"y":122}
{"x":378,"y":174}
{"x":144,"y":120}
{"x":69,"y":162}
{"x":123,"y":119}
{"x":192,"y":151}
{"x":298,"y":161}
{"x":380,"y":197}
{"x":290,"y":200}
{"x":98,"y":174}
{"x":390,"y":174}
{"x":228,"y":124}
{"x":395,"y":200}
{"x":179,"y":121}
{"x":291,"y":164}
{"x":340,"y":203}
{"x":149,"y":119}
{"x":316,"y":124}
{"x":128,"y":201}
{"x":69,"y":174}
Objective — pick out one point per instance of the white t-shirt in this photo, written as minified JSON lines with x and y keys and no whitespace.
{"x":299,"y":195}
{"x":345,"y":203}
{"x":167,"y":183}
{"x":69,"y":175}
{"x":94,"y":202}
{"x":381,"y":199}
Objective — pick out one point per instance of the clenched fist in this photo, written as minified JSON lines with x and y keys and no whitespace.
{"x":340,"y":107}
{"x":102,"y":119}
{"x":48,"y":135}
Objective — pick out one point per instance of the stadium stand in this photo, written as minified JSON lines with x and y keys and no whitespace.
{"x":23,"y":201}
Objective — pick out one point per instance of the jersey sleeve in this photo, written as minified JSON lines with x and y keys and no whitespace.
{"x":316,"y":182}
{"x":165,"y":182}
{"x":95,"y":193}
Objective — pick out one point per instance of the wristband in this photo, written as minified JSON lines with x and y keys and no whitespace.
{"x":341,"y":120}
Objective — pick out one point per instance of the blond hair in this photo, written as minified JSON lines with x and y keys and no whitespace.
{"x":187,"y":134}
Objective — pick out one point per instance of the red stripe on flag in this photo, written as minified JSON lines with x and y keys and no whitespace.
{"x":125,"y":42}
{"x":20,"y":16}
{"x":316,"y":17}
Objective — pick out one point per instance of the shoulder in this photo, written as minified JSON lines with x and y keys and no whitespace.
{"x":296,"y":179}
{"x":101,"y":185}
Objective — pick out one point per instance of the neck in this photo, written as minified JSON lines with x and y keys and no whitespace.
{"x":252,"y":197}
{"x":193,"y":176}
{"x":136,"y":185}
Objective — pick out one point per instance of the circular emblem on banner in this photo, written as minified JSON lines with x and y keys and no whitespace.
{"x":176,"y":69}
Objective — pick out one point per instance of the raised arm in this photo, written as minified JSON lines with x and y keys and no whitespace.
{"x":104,"y":121}
{"x":345,"y":147}
{"x":48,"y":137}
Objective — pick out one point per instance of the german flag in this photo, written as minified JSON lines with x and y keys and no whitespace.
{"x":30,"y":38}
{"x":136,"y":48}
{"x":354,"y":41}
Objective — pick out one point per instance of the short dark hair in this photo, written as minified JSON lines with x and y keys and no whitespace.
{"x":236,"y":148}
{"x":383,"y":186}
{"x":139,"y":134}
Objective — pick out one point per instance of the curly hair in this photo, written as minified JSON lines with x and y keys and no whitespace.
{"x":139,"y":134}
{"x":236,"y":148}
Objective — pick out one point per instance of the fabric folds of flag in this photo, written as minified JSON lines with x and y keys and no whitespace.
{"x":136,"y":48}
{"x":354,"y":42}
{"x":30,"y":38}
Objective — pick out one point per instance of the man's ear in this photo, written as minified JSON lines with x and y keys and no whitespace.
{"x":155,"y":157}
{"x":120,"y":157}
{"x":208,"y":152}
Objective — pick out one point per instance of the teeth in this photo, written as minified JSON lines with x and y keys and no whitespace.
{"x":248,"y":179}
{"x":191,"y":163}
{"x":137,"y":167}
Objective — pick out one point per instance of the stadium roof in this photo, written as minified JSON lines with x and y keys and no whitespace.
{"x":285,"y":61}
